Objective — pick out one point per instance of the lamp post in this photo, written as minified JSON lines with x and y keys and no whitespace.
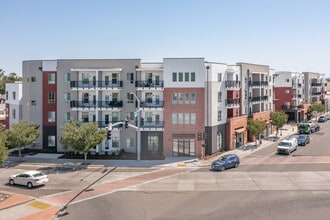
{"x":138,"y":127}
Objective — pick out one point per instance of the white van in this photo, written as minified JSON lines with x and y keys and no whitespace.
{"x":288,"y":145}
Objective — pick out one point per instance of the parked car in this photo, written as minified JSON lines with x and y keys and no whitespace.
{"x":225,"y":162}
{"x":287,"y":146}
{"x":29,"y":178}
{"x":303,"y":139}
{"x":327,"y":116}
{"x":322,"y":119}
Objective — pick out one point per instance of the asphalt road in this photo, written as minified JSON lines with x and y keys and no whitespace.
{"x":254,"y":205}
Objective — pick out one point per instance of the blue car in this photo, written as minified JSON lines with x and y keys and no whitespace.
{"x":225,"y":162}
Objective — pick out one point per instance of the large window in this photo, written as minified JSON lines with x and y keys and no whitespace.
{"x":51,"y":78}
{"x":14,"y":95}
{"x":174,"y":98}
{"x":186,"y":77}
{"x":180,"y":77}
{"x":193,"y":98}
{"x":219,"y":141}
{"x":51,"y":141}
{"x":183,"y":147}
{"x":51,"y":116}
{"x":174,"y":119}
{"x":219,"y":115}
{"x":67,"y":78}
{"x":219,"y":96}
{"x":192,"y":77}
{"x":153,"y":143}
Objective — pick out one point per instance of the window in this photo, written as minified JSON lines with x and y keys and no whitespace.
{"x":174,"y":119}
{"x":219,"y":115}
{"x":181,"y":96}
{"x":129,"y":142}
{"x":130,"y":77}
{"x":84,"y":117}
{"x":219,"y":141}
{"x":67,"y":117}
{"x":14,"y":95}
{"x":193,"y":118}
{"x":186,"y":77}
{"x":130,"y":98}
{"x":6,"y":95}
{"x":186,"y":118}
{"x":219,"y":96}
{"x":67,"y":78}
{"x":33,"y":79}
{"x":33,"y":102}
{"x":183,"y":147}
{"x":67,"y":97}
{"x":187,"y":98}
{"x":180,"y":77}
{"x":219,"y":77}
{"x":51,"y":141}
{"x":51,"y":116}
{"x":287,"y":80}
{"x":193,"y":98}
{"x":51,"y":97}
{"x":148,"y":115}
{"x":174,"y":98}
{"x":174,"y":77}
{"x":13,"y":113}
{"x":192,"y":77}
{"x":153,"y":143}
{"x":180,"y":118}
{"x":51,"y":78}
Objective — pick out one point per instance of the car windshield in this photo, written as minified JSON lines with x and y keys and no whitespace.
{"x":285,"y":144}
{"x":302,"y":137}
{"x":222,"y":158}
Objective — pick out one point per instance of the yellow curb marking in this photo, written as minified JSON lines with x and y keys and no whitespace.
{"x":39,"y":205}
{"x":181,"y":165}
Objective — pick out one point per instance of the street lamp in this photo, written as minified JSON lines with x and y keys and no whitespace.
{"x":138,"y":127}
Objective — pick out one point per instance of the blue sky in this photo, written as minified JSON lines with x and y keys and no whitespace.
{"x":292,"y":35}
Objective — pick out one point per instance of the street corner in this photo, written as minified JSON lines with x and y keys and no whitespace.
{"x":8,"y":200}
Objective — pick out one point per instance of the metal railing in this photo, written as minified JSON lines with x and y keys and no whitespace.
{"x":113,"y":84}
{"x":232,"y":84}
{"x":149,"y":83}
{"x":96,"y":104}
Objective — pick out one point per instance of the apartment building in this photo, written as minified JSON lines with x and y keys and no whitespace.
{"x":289,"y":90}
{"x":257,"y":98}
{"x":181,"y":106}
{"x":315,"y":87}
{"x":13,"y":103}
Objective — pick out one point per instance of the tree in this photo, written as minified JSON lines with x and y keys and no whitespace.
{"x":12,"y":77}
{"x":3,"y":149}
{"x":278,"y":119}
{"x":21,"y":134}
{"x":318,"y":107}
{"x":256,"y":127}
{"x":82,"y":137}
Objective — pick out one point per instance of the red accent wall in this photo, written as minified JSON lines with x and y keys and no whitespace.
{"x":282,"y":97}
{"x":170,"y":108}
{"x":46,"y":107}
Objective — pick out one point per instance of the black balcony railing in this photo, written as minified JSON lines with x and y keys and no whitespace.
{"x":258,"y":83}
{"x":151,"y":124}
{"x":113,"y":84}
{"x":316,"y":93}
{"x":149,"y":83}
{"x":291,"y":107}
{"x":232,"y":84}
{"x":232,"y":102}
{"x":316,"y":84}
{"x":152,"y":104}
{"x":96,"y":104}
{"x":258,"y":98}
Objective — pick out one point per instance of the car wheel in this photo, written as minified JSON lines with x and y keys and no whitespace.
{"x":236,"y":165}
{"x":29,"y":185}
{"x":222,"y":168}
{"x":11,"y":182}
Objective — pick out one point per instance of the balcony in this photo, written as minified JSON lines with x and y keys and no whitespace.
{"x":232,"y":84}
{"x":316,"y":93}
{"x":291,"y":107}
{"x":149,"y":84}
{"x":258,"y":83}
{"x":148,"y":124}
{"x":316,"y":84}
{"x":95,"y":104}
{"x":258,"y":98}
{"x":104,"y":124}
{"x":114,"y":84}
{"x":233,"y":103}
{"x":153,"y":104}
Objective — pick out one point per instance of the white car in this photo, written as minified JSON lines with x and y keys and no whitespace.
{"x":287,"y":145}
{"x":29,"y":178}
